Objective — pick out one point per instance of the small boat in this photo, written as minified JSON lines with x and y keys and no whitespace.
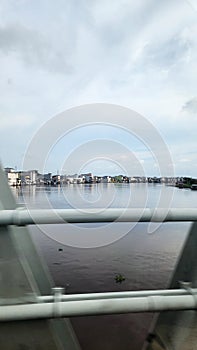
{"x":119,"y":278}
{"x":194,"y":187}
{"x":180,"y":185}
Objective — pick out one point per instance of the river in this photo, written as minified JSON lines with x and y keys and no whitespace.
{"x":86,"y":258}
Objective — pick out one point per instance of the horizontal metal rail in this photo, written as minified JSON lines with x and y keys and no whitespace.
{"x":22,"y":217}
{"x":61,"y":305}
{"x":110,"y":295}
{"x":101,"y":306}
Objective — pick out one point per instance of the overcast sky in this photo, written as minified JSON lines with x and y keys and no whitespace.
{"x":142,"y":54}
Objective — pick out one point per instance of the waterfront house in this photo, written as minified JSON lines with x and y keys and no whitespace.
{"x":28,"y":177}
{"x":89,"y":178}
{"x":56,"y":179}
{"x":106,"y":179}
{"x":12,"y":177}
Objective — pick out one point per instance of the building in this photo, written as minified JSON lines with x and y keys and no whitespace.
{"x":56,"y":179}
{"x":13,"y":177}
{"x":88,"y":178}
{"x":106,"y":179}
{"x":72,"y":179}
{"x":28,"y":177}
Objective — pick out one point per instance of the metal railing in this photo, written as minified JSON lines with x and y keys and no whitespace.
{"x":22,"y":217}
{"x":61,"y":305}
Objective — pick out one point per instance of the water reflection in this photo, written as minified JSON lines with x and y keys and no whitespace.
{"x":145,"y":260}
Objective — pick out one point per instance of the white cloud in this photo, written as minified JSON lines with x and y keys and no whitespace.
{"x":193,"y":4}
{"x":33,"y":48}
{"x":138,"y":54}
{"x":21,"y":122}
{"x":190,"y":106}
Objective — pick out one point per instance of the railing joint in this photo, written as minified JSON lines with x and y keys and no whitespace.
{"x":57,"y":299}
{"x":192,"y":291}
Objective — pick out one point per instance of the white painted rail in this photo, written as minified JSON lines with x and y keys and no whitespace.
{"x":101,"y":306}
{"x":22,"y":217}
{"x":59,"y":305}
{"x":110,"y":295}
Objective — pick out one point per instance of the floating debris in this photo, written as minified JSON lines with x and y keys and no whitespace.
{"x":119,"y":278}
{"x":60,"y":249}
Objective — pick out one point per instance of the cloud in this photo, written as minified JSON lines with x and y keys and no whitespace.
{"x":184,"y":160}
{"x":137,"y":54}
{"x":17,"y":121}
{"x":190,"y":106}
{"x":193,"y":4}
{"x":168,"y":55}
{"x":34,"y":48}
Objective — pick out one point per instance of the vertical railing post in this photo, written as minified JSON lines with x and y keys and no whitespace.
{"x":177,"y":330}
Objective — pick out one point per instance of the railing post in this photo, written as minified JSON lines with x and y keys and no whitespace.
{"x":22,"y":272}
{"x":177,"y":330}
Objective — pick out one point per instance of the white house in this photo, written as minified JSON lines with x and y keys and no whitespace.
{"x":106,"y":179}
{"x":13,"y":178}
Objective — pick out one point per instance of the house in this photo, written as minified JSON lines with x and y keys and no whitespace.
{"x":132,"y":179}
{"x":89,"y":178}
{"x":71,"y":179}
{"x":13,"y":177}
{"x":106,"y":179}
{"x":29,"y":177}
{"x":56,"y":179}
{"x":44,"y":179}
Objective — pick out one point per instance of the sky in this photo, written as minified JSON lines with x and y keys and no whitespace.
{"x":57,"y":55}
